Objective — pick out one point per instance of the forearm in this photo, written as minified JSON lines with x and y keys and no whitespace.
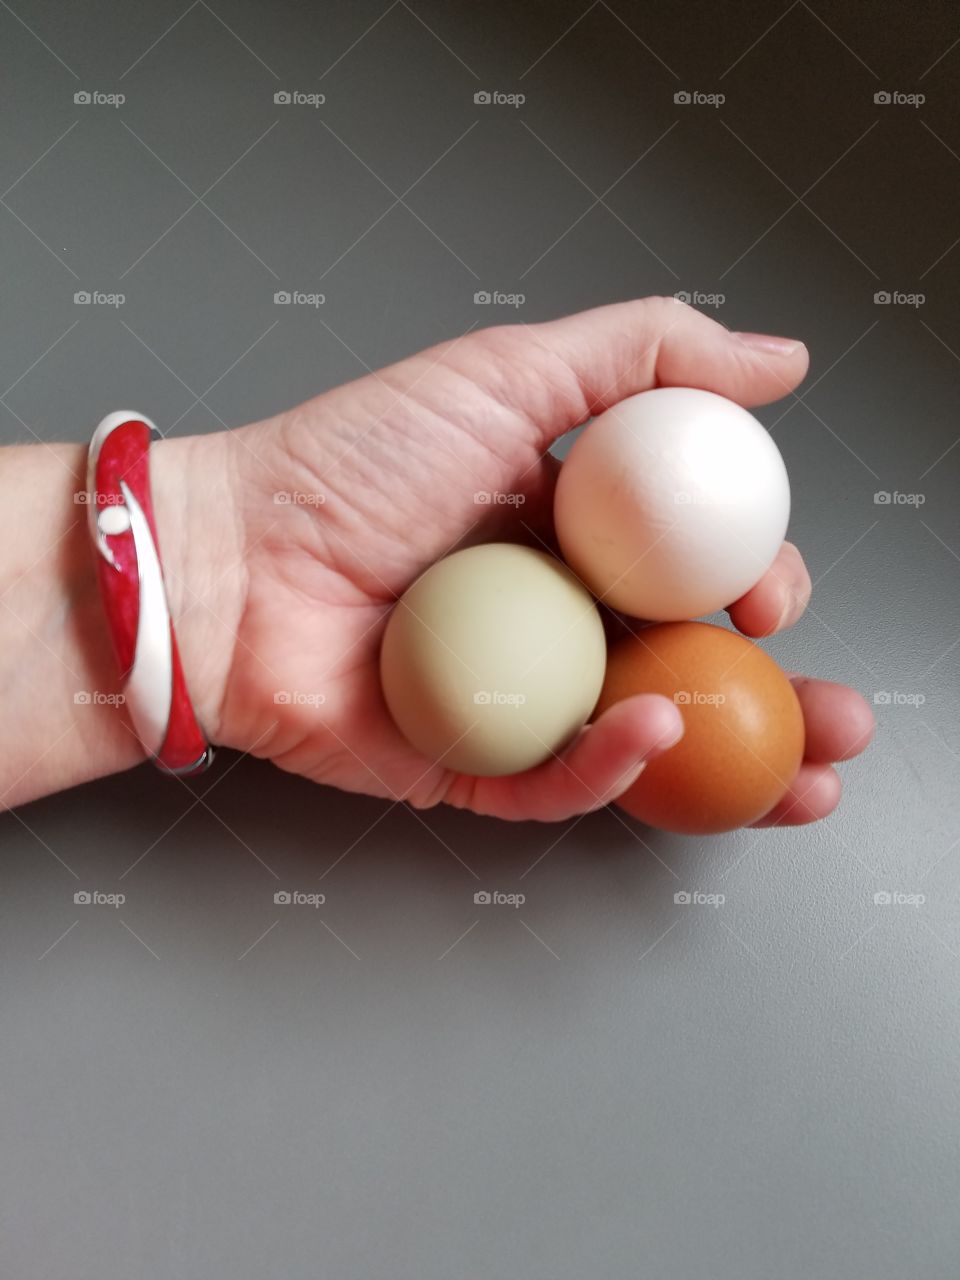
{"x":64,"y":723}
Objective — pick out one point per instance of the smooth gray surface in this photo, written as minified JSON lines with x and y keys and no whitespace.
{"x":601,"y":1083}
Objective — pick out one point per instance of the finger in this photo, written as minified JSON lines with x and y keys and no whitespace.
{"x":605,"y":759}
{"x":815,"y":794}
{"x":779,"y":598}
{"x":532,"y":522}
{"x":526,"y":516}
{"x":839,"y":722}
{"x":569,"y":369}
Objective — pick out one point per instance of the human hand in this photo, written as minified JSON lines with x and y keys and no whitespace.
{"x":281,"y":619}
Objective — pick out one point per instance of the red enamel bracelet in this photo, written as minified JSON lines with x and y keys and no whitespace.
{"x":120,"y":513}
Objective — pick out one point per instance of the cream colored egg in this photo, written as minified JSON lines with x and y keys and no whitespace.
{"x":493,"y":659}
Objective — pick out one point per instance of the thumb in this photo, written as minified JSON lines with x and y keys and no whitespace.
{"x":572,"y":368}
{"x":600,"y":764}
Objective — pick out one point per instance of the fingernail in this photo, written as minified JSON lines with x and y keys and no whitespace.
{"x":670,"y":738}
{"x":769,"y":344}
{"x":626,"y":780}
{"x":794,"y":605}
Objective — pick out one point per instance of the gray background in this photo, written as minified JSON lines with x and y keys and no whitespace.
{"x":402,"y":1084}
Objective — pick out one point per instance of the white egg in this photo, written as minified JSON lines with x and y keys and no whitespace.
{"x":672,"y":504}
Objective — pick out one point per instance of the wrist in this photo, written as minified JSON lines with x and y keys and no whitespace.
{"x":202,"y":550}
{"x":59,"y":684}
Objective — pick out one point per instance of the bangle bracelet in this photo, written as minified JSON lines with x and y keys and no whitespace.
{"x":122,"y":528}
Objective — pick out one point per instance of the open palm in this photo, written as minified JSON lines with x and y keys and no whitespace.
{"x":345,"y":500}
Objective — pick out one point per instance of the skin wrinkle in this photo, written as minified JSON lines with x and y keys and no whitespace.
{"x":324,"y":550}
{"x":595,"y":400}
{"x":309,"y":615}
{"x":519,"y":380}
{"x":449,"y":394}
{"x":372,"y":476}
{"x":537,"y":375}
{"x":444,"y":420}
{"x":484,"y":443}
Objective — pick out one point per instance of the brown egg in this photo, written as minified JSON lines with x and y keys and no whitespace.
{"x":743,"y":728}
